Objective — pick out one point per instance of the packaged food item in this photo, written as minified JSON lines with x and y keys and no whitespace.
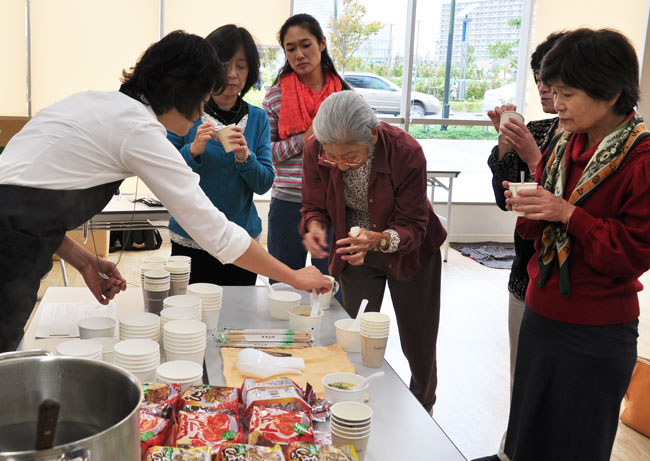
{"x":312,"y":452}
{"x":214,"y":399}
{"x":154,"y":430}
{"x":178,"y":454}
{"x":241,"y":452}
{"x":206,"y":429}
{"x":280,"y":393}
{"x":160,"y":399}
{"x":271,"y":426}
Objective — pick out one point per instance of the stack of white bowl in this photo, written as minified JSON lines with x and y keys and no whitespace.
{"x":211,"y":297}
{"x":350,"y":425}
{"x":185,"y":340}
{"x":83,"y":348}
{"x":183,"y":301}
{"x":140,"y":325}
{"x":156,"y":286}
{"x":178,"y":313}
{"x":179,"y":277}
{"x":183,"y":372}
{"x":139,"y":356}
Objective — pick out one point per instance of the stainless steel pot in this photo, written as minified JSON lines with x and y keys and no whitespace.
{"x":99,"y":413}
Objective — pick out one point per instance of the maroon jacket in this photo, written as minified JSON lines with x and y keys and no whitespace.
{"x":397,"y":199}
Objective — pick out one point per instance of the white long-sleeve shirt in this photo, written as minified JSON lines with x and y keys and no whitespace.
{"x":95,"y":138}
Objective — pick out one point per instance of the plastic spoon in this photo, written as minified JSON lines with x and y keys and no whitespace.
{"x":267,"y":283}
{"x":357,"y":321}
{"x":315,"y":304}
{"x":362,"y":384}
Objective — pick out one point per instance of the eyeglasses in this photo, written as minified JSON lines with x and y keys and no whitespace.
{"x":322,"y":156}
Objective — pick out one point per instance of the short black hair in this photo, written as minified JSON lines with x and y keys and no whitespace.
{"x":227,"y":40}
{"x":309,"y":23}
{"x":542,"y":49}
{"x":178,"y":72}
{"x":602,"y":63}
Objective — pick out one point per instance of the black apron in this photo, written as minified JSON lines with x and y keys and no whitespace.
{"x":33,"y":223}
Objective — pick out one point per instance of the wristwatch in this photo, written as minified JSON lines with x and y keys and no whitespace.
{"x":383,"y":243}
{"x":245,"y":160}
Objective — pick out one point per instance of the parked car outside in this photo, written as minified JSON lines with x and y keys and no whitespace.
{"x":385,"y":97}
{"x":498,"y":96}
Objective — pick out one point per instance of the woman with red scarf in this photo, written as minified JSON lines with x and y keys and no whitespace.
{"x":307,"y":78}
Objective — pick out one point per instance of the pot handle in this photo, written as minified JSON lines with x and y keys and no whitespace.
{"x":23,"y":354}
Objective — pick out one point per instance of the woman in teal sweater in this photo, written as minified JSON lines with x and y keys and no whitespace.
{"x":229,"y":179}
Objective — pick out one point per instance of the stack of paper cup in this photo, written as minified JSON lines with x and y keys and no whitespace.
{"x":156,"y":288}
{"x":108,"y":347}
{"x":154,"y":259}
{"x":140,"y":325}
{"x":139,"y":356}
{"x":183,"y":372}
{"x":185,"y":340}
{"x":374,"y":331}
{"x":144,"y":267}
{"x":211,"y":297}
{"x":180,"y":258}
{"x":350,"y":425}
{"x":183,"y":301}
{"x":179,"y":277}
{"x":83,"y":348}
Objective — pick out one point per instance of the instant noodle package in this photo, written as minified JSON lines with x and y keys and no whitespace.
{"x":160,"y":399}
{"x":279,"y":393}
{"x":241,"y":452}
{"x":178,"y":454}
{"x":154,"y":430}
{"x":312,"y":452}
{"x":212,"y":399}
{"x":206,"y":429}
{"x":271,"y":426}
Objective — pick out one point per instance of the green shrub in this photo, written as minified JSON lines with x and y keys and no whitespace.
{"x":453,"y":132}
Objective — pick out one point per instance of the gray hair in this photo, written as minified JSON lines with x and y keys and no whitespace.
{"x":345,"y":118}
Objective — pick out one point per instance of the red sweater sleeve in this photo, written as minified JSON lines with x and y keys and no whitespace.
{"x":618,"y":246}
{"x":314,"y":188}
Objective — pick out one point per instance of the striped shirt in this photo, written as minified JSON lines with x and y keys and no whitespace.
{"x":287,"y":153}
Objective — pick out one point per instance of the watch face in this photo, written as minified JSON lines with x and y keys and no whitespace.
{"x":383,"y":242}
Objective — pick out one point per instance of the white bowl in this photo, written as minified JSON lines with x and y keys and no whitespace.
{"x":107,"y":348}
{"x":211,"y":318}
{"x":374,"y":318}
{"x":139,"y":320}
{"x":144,"y":367}
{"x":355,"y":413}
{"x":179,"y":313}
{"x":299,"y":319}
{"x":147,"y":376}
{"x":281,"y":301}
{"x":336,"y":429}
{"x":179,"y":369}
{"x":207,"y":290}
{"x":137,"y":348}
{"x":182,"y":300}
{"x":85,"y":348}
{"x":184,"y":328}
{"x":96,"y":327}
{"x":349,"y":340}
{"x":335,"y":395}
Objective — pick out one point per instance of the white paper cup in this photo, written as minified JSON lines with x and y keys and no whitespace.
{"x":96,"y":327}
{"x":347,"y":432}
{"x":299,"y":319}
{"x":334,"y":394}
{"x":515,"y":187}
{"x":373,"y":351}
{"x":359,"y":443}
{"x":350,"y":341}
{"x":223,"y":137}
{"x":108,"y":355}
{"x":325,"y":298}
{"x":196,"y":357}
{"x":211,"y":318}
{"x":281,"y":301}
{"x":505,"y":117}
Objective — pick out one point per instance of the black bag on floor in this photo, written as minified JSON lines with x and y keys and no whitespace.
{"x":134,"y":240}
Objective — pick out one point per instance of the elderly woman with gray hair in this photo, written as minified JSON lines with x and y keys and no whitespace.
{"x":358,"y":172}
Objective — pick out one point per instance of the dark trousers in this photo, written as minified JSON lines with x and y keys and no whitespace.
{"x":567,"y":391}
{"x":284,"y":241}
{"x":417,"y":308}
{"x":207,"y":269}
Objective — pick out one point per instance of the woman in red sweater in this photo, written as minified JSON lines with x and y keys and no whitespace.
{"x":590,"y":219}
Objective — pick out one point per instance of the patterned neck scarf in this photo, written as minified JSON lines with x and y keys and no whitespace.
{"x":606,"y":160}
